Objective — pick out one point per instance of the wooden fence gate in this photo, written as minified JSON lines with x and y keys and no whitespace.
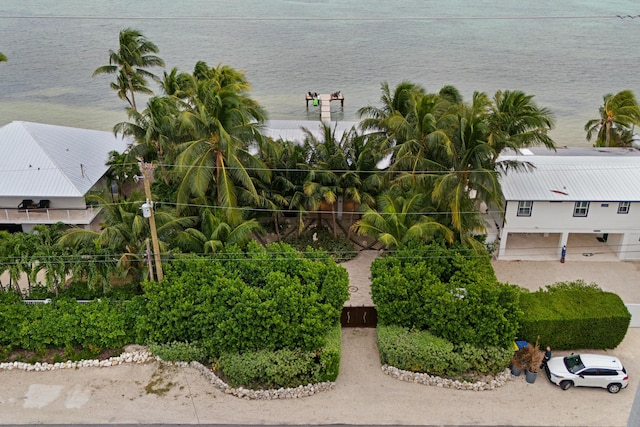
{"x":359,"y":317}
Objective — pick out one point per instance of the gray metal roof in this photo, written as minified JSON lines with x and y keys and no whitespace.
{"x":40,"y":160}
{"x":291,"y":130}
{"x":604,"y":175}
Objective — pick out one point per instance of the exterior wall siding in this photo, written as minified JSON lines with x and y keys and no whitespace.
{"x":558,"y":217}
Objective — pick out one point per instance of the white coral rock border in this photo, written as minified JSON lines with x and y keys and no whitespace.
{"x":144,"y":356}
{"x":416,"y":377}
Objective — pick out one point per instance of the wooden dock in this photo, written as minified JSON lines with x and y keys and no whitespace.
{"x":324,"y":102}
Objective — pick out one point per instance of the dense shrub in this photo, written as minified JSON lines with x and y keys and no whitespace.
{"x":264,"y":299}
{"x":81,"y":290}
{"x":284,"y":367}
{"x":573,"y":315}
{"x":449,"y":291}
{"x":420,"y":351}
{"x":64,"y":323}
{"x":180,"y":352}
{"x":13,"y":313}
{"x":338,"y":248}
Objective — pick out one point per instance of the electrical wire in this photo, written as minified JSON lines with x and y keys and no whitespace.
{"x":203,"y":257}
{"x":325,"y":19}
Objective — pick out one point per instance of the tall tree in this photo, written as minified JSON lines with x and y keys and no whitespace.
{"x":387,"y":125}
{"x":619,"y":114}
{"x":222,"y":122}
{"x":342,"y":167}
{"x":130,"y":63}
{"x":514,"y":121}
{"x":155,"y":131}
{"x":282,"y":159}
{"x":124,"y":233}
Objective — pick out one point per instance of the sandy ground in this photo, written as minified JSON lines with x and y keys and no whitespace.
{"x":154,"y":393}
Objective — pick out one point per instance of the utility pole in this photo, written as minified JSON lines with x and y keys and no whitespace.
{"x":149,"y":259}
{"x":147,"y":212}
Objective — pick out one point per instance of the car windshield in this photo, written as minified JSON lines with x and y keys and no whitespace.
{"x":573,"y":363}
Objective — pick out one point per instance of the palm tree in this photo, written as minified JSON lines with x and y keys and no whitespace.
{"x":618,"y":115}
{"x":155,"y":131}
{"x":9,"y":263}
{"x":51,"y":258}
{"x":387,"y":125}
{"x":129,"y":63}
{"x":124,"y":233}
{"x":222,"y":121}
{"x":344,"y":168}
{"x":515,"y":121}
{"x":121,"y":171}
{"x":282,"y":159}
{"x":3,"y":57}
{"x":448,"y":158}
{"x":214,"y":233}
{"x":400,"y":219}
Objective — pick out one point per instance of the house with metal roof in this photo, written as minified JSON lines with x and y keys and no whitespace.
{"x":574,"y":203}
{"x":46,"y":171}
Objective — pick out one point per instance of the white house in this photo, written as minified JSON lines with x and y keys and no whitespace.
{"x":46,"y":171}
{"x":584,"y":199}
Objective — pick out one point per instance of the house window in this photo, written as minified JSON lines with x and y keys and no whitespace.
{"x":581,"y":209}
{"x":623,"y":207}
{"x":525,"y":207}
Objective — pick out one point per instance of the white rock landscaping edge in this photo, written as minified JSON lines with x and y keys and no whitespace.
{"x":144,"y":356}
{"x":426,"y":379}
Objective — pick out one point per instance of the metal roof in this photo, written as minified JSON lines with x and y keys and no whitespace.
{"x":291,"y":130}
{"x":41,"y":160}
{"x":604,"y":175}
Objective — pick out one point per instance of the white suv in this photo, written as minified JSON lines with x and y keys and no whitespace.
{"x":587,"y":370}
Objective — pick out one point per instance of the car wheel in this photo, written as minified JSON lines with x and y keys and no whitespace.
{"x":614,"y":388}
{"x":566,"y":385}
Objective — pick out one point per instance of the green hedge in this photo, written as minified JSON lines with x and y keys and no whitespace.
{"x":270,"y":298}
{"x":569,"y":317}
{"x":420,"y":351}
{"x":180,"y":352}
{"x":64,"y":323}
{"x":449,"y":291}
{"x":283,"y":368}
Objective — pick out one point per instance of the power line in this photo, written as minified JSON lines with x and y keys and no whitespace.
{"x":287,"y":256}
{"x":325,"y":19}
{"x":602,"y":167}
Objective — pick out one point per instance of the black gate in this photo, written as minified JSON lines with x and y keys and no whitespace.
{"x":359,"y":317}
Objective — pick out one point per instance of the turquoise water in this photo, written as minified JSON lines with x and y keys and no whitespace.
{"x":567,"y":53}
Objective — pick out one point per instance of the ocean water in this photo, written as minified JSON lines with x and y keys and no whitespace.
{"x":568,"y":53}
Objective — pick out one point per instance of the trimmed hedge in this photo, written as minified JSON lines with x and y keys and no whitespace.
{"x":180,"y":352}
{"x":420,"y":351}
{"x":283,"y":368}
{"x":569,"y":316}
{"x":64,"y":323}
{"x":271,"y":298}
{"x":449,"y":291}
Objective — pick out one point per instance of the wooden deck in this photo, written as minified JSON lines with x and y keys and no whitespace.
{"x":324,"y":102}
{"x":339,"y":97}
